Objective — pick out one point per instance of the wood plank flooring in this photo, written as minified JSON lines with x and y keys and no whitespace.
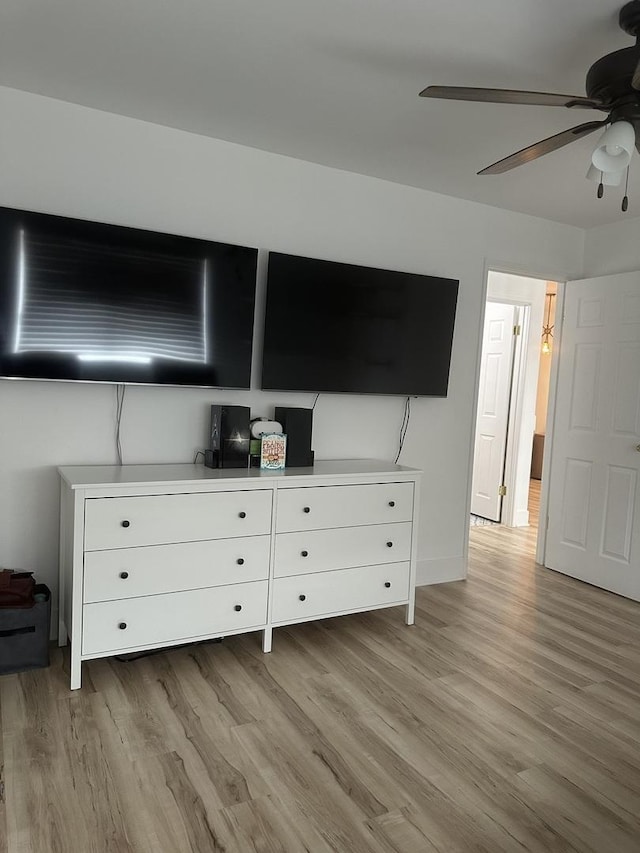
{"x":506,"y":719}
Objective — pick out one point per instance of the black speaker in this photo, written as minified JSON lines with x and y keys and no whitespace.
{"x":228,"y":437}
{"x":297,"y":425}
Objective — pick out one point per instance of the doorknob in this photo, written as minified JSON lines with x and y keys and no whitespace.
{"x":638,"y":447}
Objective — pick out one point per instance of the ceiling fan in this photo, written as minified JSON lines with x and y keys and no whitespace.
{"x":612,"y":86}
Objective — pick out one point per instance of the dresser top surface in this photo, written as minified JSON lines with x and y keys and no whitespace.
{"x":97,"y":476}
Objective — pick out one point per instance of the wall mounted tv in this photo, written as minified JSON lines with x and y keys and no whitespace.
{"x":103,"y":303}
{"x":342,"y":328}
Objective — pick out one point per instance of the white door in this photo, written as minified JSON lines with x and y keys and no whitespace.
{"x":492,"y":418}
{"x":594,"y":493}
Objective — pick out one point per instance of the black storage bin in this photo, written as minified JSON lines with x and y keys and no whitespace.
{"x":536,"y":457}
{"x":24,"y":634}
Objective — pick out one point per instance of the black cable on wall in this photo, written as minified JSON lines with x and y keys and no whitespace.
{"x":404,"y":426}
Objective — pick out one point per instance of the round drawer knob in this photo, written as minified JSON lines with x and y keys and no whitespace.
{"x":242,"y":514}
{"x":302,"y":597}
{"x":306,"y":509}
{"x":389,"y":544}
{"x":304,"y":553}
{"x":387,"y":584}
{"x":125,"y":523}
{"x":124,"y":575}
{"x":240,"y":561}
{"x":392,"y":503}
{"x":122,"y":625}
{"x":238,"y":608}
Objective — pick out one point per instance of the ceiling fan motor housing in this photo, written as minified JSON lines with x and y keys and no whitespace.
{"x":609,"y":79}
{"x":629,"y":18}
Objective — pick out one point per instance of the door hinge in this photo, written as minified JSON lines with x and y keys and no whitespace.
{"x":502,"y":491}
{"x":517,"y":329}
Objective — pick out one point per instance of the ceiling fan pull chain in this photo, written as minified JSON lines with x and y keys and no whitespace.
{"x":601,"y":186}
{"x":625,"y":200}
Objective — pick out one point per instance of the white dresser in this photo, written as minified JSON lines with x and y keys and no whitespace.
{"x":157,"y":555}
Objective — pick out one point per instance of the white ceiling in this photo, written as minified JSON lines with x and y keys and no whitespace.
{"x":336,"y":82}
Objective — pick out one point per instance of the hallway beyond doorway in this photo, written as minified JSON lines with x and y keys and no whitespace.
{"x":502,"y":540}
{"x":533,"y":508}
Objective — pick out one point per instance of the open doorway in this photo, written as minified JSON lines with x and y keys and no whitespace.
{"x":512,"y":400}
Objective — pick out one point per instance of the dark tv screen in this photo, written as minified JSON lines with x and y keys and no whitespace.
{"x":342,"y":328}
{"x":93,"y":302}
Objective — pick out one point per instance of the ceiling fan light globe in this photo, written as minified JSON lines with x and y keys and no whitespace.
{"x":609,"y":179}
{"x":615,"y":147}
{"x":605,"y":162}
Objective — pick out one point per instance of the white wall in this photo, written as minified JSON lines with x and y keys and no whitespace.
{"x":60,"y":158}
{"x":611,"y":249}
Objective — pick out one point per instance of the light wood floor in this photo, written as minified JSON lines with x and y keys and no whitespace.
{"x":506,"y":719}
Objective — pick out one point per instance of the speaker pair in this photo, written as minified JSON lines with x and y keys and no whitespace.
{"x":230,"y":437}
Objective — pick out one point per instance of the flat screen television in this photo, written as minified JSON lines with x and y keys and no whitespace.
{"x":342,"y":328}
{"x":103,"y":303}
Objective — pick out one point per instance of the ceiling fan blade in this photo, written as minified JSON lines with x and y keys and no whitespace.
{"x":551,"y":143}
{"x":508,"y":96}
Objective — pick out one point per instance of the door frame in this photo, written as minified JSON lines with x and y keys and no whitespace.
{"x":543,"y":523}
{"x":560,"y":279}
{"x":515,"y":424}
{"x":514,"y":403}
{"x":528,"y":300}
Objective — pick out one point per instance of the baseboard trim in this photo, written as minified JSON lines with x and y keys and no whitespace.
{"x":521,"y":518}
{"x":443,"y":570}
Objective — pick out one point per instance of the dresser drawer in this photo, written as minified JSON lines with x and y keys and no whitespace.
{"x":345,"y":547}
{"x":330,"y":593}
{"x":159,"y":619}
{"x":320,"y":507}
{"x":132,"y":572}
{"x":160,"y":519}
